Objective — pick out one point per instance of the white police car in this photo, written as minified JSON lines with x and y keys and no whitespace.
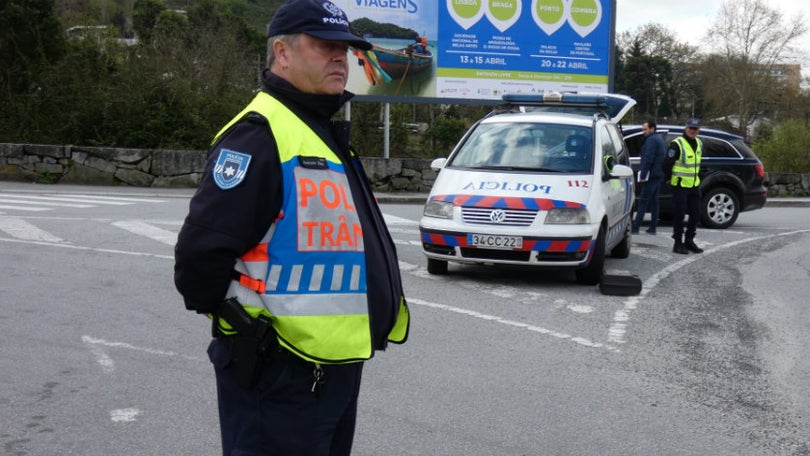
{"x":544,"y":180}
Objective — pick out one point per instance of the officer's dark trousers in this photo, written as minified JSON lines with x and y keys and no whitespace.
{"x":281,"y":415}
{"x":685,"y":201}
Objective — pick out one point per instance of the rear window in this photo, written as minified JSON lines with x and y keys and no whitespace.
{"x":717,"y":148}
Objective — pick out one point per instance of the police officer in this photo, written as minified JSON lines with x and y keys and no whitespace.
{"x":683,"y":165}
{"x":286,"y":250}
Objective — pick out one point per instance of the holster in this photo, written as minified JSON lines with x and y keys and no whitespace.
{"x":255,"y":338}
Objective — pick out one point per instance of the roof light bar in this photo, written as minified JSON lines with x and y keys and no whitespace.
{"x":557,"y":98}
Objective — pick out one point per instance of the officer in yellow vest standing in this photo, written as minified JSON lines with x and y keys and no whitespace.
{"x":286,"y":250}
{"x":682,"y":163}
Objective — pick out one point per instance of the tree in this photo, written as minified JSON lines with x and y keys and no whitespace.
{"x":653,"y":49}
{"x":145,"y":16}
{"x":31,"y":39}
{"x":750,"y":39}
{"x":648,"y":80}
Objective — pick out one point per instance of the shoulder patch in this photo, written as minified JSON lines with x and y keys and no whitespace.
{"x":671,"y":153}
{"x":230,"y":168}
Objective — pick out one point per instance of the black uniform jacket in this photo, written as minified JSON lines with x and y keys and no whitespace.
{"x":224,"y":224}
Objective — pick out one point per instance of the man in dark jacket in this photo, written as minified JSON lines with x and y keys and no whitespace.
{"x":650,"y":176}
{"x":285,"y":248}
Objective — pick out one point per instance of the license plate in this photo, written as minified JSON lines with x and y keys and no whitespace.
{"x":490,"y":241}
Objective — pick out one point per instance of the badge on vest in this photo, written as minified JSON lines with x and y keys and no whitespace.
{"x":230,"y":168}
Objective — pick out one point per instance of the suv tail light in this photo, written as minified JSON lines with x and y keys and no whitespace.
{"x":760,"y":170}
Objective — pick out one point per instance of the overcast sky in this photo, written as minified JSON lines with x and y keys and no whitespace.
{"x":689,"y":19}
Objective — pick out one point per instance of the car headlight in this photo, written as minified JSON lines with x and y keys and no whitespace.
{"x":568,"y":216}
{"x":439,"y":209}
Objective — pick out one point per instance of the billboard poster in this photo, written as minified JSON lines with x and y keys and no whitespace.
{"x":473,"y":51}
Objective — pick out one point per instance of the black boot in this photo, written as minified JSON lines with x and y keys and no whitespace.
{"x":680,"y":248}
{"x":691,"y":246}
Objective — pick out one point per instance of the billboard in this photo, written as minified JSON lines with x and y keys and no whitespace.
{"x":474,"y":51}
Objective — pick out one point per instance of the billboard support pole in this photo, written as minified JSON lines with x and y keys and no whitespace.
{"x":386,"y":133}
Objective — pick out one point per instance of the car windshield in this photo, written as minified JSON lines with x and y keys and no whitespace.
{"x":527,"y":146}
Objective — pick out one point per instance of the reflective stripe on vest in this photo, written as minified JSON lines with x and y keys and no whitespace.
{"x":686,"y":169}
{"x":308,"y":274}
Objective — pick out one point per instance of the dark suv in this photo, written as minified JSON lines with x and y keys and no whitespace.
{"x":731,"y":176}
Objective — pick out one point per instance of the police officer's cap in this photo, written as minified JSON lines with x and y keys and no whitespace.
{"x":318,"y":18}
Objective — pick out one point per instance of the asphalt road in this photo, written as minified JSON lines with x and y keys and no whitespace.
{"x":99,"y":357}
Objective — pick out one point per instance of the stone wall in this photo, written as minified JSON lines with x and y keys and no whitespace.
{"x":184,"y":168}
{"x":166,"y":168}
{"x":788,"y":184}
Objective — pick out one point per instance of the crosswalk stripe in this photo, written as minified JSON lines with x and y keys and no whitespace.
{"x":39,"y":203}
{"x":85,"y":197}
{"x":395,"y":220}
{"x":24,"y":208}
{"x":80,"y":199}
{"x":147,"y":230}
{"x":20,"y":229}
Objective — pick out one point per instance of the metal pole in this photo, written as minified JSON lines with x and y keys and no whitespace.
{"x":347,"y":111}
{"x":386,"y":134}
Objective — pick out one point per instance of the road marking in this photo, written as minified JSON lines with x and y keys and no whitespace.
{"x":126,"y":415}
{"x":90,"y":249}
{"x":394,"y":220}
{"x":74,"y":199}
{"x":39,"y":203}
{"x":20,"y":229}
{"x":78,"y":197}
{"x":23,"y":208}
{"x":107,"y":364}
{"x":144,"y":229}
{"x":548,"y":332}
{"x":621,"y":317}
{"x":578,"y":308}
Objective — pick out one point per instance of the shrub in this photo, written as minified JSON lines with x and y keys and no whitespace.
{"x":786,"y":149}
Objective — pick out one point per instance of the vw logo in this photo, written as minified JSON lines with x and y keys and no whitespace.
{"x":497,"y":216}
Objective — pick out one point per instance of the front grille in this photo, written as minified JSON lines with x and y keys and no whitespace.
{"x":505,"y":217}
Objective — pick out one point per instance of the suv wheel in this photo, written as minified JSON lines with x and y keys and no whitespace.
{"x":592,"y":273}
{"x":720,"y":208}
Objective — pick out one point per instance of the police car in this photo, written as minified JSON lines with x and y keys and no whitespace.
{"x":544,"y":180}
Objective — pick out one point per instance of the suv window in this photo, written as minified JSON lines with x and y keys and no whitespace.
{"x":634,"y":144}
{"x":718,"y":148}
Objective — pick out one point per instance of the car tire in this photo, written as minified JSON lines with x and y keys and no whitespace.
{"x":720,"y":208}
{"x":592,"y":273}
{"x":437,"y":267}
{"x":622,"y":249}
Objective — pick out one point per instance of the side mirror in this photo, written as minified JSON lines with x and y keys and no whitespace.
{"x":621,"y":171}
{"x":438,"y":164}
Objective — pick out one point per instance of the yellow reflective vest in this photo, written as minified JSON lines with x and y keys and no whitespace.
{"x":308,"y":273}
{"x":685,"y":170}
